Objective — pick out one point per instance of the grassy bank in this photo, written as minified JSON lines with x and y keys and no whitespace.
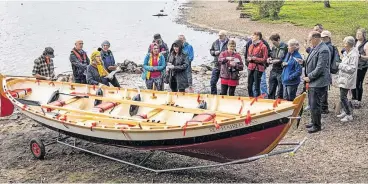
{"x":342,"y":19}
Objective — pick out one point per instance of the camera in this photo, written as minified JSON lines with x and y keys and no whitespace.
{"x":231,"y":69}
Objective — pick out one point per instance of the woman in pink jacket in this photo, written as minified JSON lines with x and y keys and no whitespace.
{"x":231,"y":63}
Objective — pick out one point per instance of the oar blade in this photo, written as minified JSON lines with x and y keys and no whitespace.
{"x":6,"y":106}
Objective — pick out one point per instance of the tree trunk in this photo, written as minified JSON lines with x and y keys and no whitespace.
{"x":327,"y":4}
{"x":240,"y":3}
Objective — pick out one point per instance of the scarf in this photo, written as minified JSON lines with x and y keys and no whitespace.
{"x":150,"y":63}
{"x":100,"y":68}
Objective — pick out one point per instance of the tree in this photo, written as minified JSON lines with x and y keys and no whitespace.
{"x":240,"y":4}
{"x":327,"y":4}
{"x":269,"y":8}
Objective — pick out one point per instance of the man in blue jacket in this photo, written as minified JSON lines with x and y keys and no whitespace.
{"x":188,"y":50}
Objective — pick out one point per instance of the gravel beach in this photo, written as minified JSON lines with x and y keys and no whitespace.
{"x":336,"y":154}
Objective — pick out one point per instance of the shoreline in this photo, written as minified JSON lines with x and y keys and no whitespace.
{"x":184,"y":13}
{"x":198,"y":15}
{"x":336,"y":154}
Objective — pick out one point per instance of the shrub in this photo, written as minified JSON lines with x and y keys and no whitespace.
{"x":269,"y":9}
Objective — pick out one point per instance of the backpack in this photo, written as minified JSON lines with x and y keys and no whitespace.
{"x":335,"y":58}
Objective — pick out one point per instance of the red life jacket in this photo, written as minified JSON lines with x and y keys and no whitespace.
{"x":79,"y":55}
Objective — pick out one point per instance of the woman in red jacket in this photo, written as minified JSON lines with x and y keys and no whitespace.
{"x":231,"y":63}
{"x":257,"y":58}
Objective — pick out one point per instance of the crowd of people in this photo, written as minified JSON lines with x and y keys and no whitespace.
{"x":173,"y":66}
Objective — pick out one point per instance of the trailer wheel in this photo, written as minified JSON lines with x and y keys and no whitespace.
{"x":37,"y":148}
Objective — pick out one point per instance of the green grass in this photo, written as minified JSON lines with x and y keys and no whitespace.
{"x":343,"y":18}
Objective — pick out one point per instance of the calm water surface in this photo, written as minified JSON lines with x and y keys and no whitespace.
{"x":25,"y":30}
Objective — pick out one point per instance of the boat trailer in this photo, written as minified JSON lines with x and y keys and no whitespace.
{"x":38,"y":150}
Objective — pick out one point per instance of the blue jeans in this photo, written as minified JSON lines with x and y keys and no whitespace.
{"x":263,"y":85}
{"x":290,"y":92}
{"x":214,"y":79}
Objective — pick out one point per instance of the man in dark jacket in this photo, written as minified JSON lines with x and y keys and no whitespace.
{"x":164,"y":50}
{"x":218,"y":46}
{"x":317,"y":76}
{"x":80,"y":61}
{"x":278,"y":53}
{"x":334,"y":56}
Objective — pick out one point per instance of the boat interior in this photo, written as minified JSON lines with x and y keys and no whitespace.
{"x":116,"y":108}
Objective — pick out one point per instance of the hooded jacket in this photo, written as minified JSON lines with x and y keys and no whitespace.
{"x":180,"y":62}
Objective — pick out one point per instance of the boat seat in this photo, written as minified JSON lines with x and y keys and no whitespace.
{"x":205,"y":117}
{"x":20,"y":93}
{"x":102,"y":107}
{"x":57,"y":103}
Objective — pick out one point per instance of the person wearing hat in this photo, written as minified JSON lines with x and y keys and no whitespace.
{"x":80,"y":61}
{"x":96,"y":72}
{"x":43,"y":67}
{"x":164,"y":50}
{"x":109,"y":61}
{"x":335,"y":58}
{"x":218,"y":46}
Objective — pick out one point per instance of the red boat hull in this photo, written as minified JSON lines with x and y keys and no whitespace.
{"x":233,"y":148}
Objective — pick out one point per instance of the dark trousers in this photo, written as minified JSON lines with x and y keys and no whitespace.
{"x":114,"y":82}
{"x":344,"y":100}
{"x":214,"y":79}
{"x":290,"y":92}
{"x":324,"y":102}
{"x":274,"y":83}
{"x":174,"y":86}
{"x":226,"y":88}
{"x":358,"y":92}
{"x":157,"y":81}
{"x":81,"y":81}
{"x":254,"y":76}
{"x":315,"y":97}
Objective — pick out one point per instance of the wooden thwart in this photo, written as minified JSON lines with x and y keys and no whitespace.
{"x":111,"y":120}
{"x":165,"y":107}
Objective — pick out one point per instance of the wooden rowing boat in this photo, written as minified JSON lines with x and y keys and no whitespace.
{"x":212,"y":127}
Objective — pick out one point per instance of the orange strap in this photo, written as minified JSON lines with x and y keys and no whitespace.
{"x":94,"y":124}
{"x":79,"y":56}
{"x":256,"y":99}
{"x":248,"y":119}
{"x":213,"y":120}
{"x":276,"y":102}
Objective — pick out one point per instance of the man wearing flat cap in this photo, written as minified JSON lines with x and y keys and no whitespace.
{"x":44,"y":66}
{"x":80,"y":61}
{"x":334,"y":58}
{"x":164,"y":50}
